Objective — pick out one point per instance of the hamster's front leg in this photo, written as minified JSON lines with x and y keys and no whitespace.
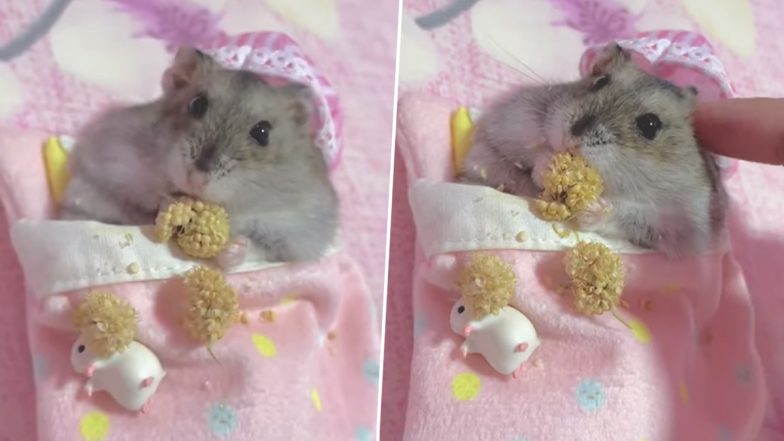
{"x":541,"y":164}
{"x":484,"y":166}
{"x":594,"y":216}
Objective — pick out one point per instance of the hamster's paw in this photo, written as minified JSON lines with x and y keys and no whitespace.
{"x":674,"y":246}
{"x":165,"y":201}
{"x":234,"y":254}
{"x":541,"y":164}
{"x":594,"y":215}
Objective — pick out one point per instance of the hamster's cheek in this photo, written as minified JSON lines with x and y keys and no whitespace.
{"x":220,"y":190}
{"x":556,"y":131}
{"x":176,"y":169}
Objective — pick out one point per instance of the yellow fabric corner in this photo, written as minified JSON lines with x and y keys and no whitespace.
{"x":462,"y":131}
{"x":56,"y":163}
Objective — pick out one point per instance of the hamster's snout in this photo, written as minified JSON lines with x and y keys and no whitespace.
{"x":206,"y":159}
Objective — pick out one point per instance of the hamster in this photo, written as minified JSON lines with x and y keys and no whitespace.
{"x":216,"y":134}
{"x":661,"y":190}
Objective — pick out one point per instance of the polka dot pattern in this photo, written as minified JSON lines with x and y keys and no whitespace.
{"x":222,"y":420}
{"x":671,"y":289}
{"x":94,"y":426}
{"x":371,"y":371}
{"x":743,"y":374}
{"x":683,"y":391}
{"x":724,"y":434}
{"x":315,"y":398}
{"x":420,"y":323}
{"x":640,"y":331}
{"x":264,"y":345}
{"x":40,"y":368}
{"x":466,"y":386}
{"x":591,"y":395}
{"x":362,"y":433}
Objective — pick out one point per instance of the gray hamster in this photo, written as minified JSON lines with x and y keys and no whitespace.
{"x":221,"y":135}
{"x":662,"y":190}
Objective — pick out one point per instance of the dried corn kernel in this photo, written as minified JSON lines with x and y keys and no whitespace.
{"x":200,"y":229}
{"x":487,"y":284}
{"x":107,"y":322}
{"x":268,"y":315}
{"x":211,"y":305}
{"x":133,"y":268}
{"x":570,"y":184}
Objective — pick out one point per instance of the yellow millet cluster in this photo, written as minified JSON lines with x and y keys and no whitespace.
{"x":596,"y":275}
{"x":570,"y":184}
{"x":211,"y":305}
{"x":200,"y":229}
{"x":487,"y":284}
{"x":107,"y":323}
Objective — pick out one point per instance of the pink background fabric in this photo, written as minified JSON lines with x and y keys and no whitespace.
{"x":470,"y":75}
{"x":56,"y":101}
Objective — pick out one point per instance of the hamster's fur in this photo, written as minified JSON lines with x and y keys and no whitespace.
{"x":220,"y":135}
{"x":634,"y":128}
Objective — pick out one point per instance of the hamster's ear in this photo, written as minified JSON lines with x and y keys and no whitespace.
{"x":187,"y":63}
{"x":690,"y":95}
{"x":610,"y":58}
{"x":300,"y":102}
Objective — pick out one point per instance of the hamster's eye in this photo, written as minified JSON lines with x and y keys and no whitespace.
{"x":80,"y":349}
{"x":461,"y":310}
{"x":648,"y":125}
{"x":260,"y":132}
{"x":600,"y":83}
{"x":198,"y":106}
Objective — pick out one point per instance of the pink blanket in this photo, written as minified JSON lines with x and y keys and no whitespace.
{"x":473,"y":54}
{"x":309,"y":372}
{"x":67,"y":74}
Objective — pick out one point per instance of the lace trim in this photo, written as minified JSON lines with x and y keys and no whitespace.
{"x":662,"y":50}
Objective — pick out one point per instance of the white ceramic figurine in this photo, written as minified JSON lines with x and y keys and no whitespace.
{"x":130,"y":376}
{"x":506,"y":340}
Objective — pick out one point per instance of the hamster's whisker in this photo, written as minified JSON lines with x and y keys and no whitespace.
{"x":530,"y":73}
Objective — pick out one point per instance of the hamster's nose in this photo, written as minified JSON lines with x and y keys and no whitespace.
{"x":207,"y":158}
{"x":582,"y":125}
